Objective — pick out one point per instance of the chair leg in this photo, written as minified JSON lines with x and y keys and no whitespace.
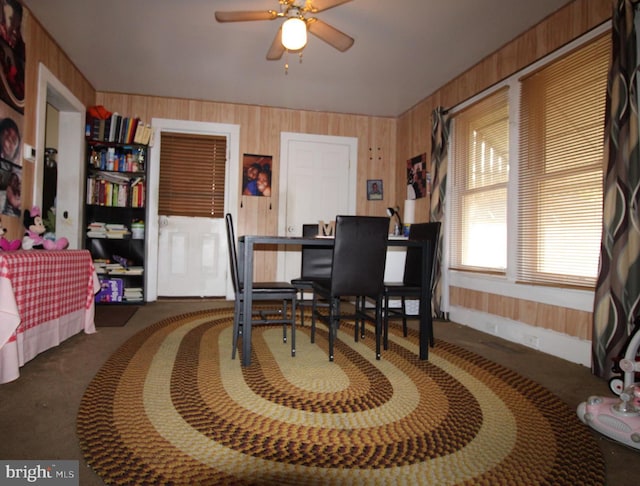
{"x":363,"y":303}
{"x":356,"y":323}
{"x":236,"y":326}
{"x":386,"y":322}
{"x":432,"y":339}
{"x":284,"y":324}
{"x":358,"y":331}
{"x":404,"y":317}
{"x":378,"y":325}
{"x":293,"y":326}
{"x":313,"y":318}
{"x":302,"y":307}
{"x":334,"y":319}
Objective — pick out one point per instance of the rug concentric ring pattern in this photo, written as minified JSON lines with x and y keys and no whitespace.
{"x":172,"y":407}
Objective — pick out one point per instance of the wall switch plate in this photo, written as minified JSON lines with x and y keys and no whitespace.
{"x":29,"y":153}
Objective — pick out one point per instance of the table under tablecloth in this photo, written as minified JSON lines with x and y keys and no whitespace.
{"x":46,"y":296}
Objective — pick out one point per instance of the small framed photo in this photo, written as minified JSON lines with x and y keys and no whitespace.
{"x":374,"y":189}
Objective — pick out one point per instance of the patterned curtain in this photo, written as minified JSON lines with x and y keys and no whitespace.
{"x":439,"y":140}
{"x":618,"y":286}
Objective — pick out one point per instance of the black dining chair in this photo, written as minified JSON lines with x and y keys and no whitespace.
{"x":315,"y":265}
{"x":357,"y":271}
{"x":281,"y":292}
{"x":411,"y":285}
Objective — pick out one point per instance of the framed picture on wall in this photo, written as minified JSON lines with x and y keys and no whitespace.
{"x":418,"y":179}
{"x":256,"y":175}
{"x":374,"y":189}
{"x":12,"y":58}
{"x":10,"y":188}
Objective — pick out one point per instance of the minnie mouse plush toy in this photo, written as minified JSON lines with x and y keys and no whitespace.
{"x":33,"y":239}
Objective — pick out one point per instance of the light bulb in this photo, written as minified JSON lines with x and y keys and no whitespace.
{"x":294,"y":34}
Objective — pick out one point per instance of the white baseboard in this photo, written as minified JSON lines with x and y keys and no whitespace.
{"x":557,"y":344}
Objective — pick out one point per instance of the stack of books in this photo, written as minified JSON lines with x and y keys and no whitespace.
{"x":117,"y":231}
{"x":133,"y":294}
{"x":97,"y":230}
{"x":122,"y":270}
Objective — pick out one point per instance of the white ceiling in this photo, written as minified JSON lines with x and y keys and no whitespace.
{"x":404,"y":49}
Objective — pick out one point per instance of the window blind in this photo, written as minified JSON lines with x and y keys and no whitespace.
{"x":562,"y":110}
{"x":192,"y":175}
{"x":479,"y":189}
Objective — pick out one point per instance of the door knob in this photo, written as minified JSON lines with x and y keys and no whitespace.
{"x":291,"y":229}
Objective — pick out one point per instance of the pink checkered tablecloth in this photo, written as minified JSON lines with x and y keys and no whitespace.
{"x":52,"y":288}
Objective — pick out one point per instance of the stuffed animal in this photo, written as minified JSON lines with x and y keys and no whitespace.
{"x":6,"y":245}
{"x":33,"y":238}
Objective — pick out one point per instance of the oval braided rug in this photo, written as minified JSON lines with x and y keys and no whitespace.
{"x":171,"y":407}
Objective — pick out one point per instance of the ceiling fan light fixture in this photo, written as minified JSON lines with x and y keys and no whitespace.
{"x":294,"y":34}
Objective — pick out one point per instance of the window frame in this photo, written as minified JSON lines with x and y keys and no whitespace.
{"x":477,"y":278}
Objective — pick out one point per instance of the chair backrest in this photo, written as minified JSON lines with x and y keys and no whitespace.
{"x":413,"y":264}
{"x":316,"y":260}
{"x":233,"y":253}
{"x":359,"y":255}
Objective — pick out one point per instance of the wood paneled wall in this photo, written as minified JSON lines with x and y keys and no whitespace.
{"x":384,"y":144}
{"x":40,"y":48}
{"x":570,"y":22}
{"x":260,"y":129}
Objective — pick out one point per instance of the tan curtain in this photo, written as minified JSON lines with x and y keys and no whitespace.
{"x":440,"y":123}
{"x":618,"y":286}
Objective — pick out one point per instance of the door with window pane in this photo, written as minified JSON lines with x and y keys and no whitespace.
{"x":192,"y":257}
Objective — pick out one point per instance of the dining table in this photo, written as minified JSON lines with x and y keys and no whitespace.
{"x":248,"y":244}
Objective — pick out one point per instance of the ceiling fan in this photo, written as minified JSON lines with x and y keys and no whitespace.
{"x":297,"y":23}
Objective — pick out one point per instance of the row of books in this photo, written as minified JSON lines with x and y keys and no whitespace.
{"x":106,"y":190}
{"x":114,"y":290}
{"x":107,"y":267}
{"x":98,"y":229}
{"x":119,"y":129}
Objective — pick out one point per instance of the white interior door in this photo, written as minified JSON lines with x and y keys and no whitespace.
{"x":188,"y":256}
{"x":317,"y":182}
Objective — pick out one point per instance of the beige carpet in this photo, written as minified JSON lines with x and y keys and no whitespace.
{"x":171,"y":407}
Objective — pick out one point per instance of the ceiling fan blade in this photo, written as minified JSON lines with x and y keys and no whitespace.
{"x":246,"y":15}
{"x":320,"y":5}
{"x":329,"y":34}
{"x":277,"y":49}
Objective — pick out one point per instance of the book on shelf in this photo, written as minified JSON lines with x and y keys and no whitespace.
{"x":117,"y":235}
{"x":118,"y":129}
{"x":116,"y":226}
{"x":101,"y":124}
{"x":112,"y":126}
{"x":138,"y":193}
{"x":139,"y":135}
{"x":117,"y":190}
{"x":134,"y":270}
